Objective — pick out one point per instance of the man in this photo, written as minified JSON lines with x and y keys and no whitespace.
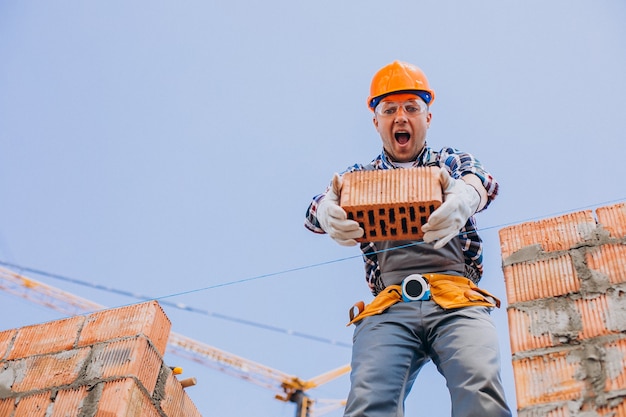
{"x":460,"y":338}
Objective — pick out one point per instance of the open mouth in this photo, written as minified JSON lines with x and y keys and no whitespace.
{"x":402,"y":137}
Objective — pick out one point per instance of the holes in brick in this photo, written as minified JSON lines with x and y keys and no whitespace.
{"x":393,"y":221}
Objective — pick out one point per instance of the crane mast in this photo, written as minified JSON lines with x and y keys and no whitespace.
{"x":290,"y":388}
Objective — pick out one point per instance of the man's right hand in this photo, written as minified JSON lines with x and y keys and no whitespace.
{"x":334,"y":220}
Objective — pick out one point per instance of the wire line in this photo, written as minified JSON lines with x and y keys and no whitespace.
{"x":184,"y":307}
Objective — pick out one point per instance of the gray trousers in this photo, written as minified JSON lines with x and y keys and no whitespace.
{"x":390,"y":349}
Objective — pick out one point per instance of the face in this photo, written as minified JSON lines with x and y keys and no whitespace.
{"x":402,"y":128}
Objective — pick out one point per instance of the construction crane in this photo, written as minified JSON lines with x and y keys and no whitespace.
{"x":289,"y":388}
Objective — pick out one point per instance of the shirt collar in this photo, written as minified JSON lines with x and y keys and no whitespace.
{"x":383,"y":161}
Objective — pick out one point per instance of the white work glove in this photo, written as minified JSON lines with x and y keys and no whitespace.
{"x":334,"y":220}
{"x":460,"y":201}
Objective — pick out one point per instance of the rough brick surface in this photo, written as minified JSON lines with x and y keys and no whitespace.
{"x":546,"y":378}
{"x":7,"y":406}
{"x":35,"y":405}
{"x":47,"y":371}
{"x":544,"y":278}
{"x":101,"y":365}
{"x":71,"y":402}
{"x":613,"y":219}
{"x":610,"y":261}
{"x":554,"y":234}
{"x":391,"y":204}
{"x":133,"y":357}
{"x":176,"y":402}
{"x":565,"y":281}
{"x":6,"y":340}
{"x":146,"y":319}
{"x":53,"y":336}
{"x":124,"y":398}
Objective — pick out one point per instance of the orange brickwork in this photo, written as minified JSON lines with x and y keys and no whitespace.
{"x":565,"y":281}
{"x":105,"y":364}
{"x":391,"y":204}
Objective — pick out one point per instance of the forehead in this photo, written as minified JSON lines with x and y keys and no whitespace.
{"x":400,"y":97}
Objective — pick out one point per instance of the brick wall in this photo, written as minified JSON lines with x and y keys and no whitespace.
{"x":565,"y":280}
{"x":105,"y":364}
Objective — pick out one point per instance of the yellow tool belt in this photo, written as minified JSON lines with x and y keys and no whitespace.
{"x":448,"y":291}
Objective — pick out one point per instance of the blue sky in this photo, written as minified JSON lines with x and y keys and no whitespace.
{"x":172,"y":147}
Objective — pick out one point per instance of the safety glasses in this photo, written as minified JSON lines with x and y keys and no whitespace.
{"x":410,"y":108}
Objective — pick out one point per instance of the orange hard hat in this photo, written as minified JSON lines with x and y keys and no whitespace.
{"x":399,"y":77}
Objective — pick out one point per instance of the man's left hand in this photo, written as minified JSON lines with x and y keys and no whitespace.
{"x":461,"y":201}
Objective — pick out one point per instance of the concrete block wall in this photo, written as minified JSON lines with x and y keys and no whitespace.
{"x":565,"y":280}
{"x":105,"y":364}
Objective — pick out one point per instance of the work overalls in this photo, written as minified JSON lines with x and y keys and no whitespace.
{"x":391,"y":348}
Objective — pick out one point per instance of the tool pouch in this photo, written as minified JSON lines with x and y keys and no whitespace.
{"x":450,"y":291}
{"x":385,"y":299}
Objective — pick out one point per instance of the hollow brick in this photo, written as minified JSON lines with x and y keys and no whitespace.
{"x":70,"y":402}
{"x":48,"y":371}
{"x":564,"y":321}
{"x":33,"y":405}
{"x":545,"y":278}
{"x":112,"y":370}
{"x":609,"y":260}
{"x":533,"y":329}
{"x":553,"y":234}
{"x":146,"y":319}
{"x":613,"y":219}
{"x":6,"y":338}
{"x":601,"y":315}
{"x":545,"y":379}
{"x":176,"y":402}
{"x":125,"y":358}
{"x":617,"y":408}
{"x":391,"y":204}
{"x":556,"y":411}
{"x":124,"y":398}
{"x":7,"y":405}
{"x":50,"y":337}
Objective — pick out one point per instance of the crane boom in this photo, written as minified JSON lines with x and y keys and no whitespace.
{"x":287,"y":385}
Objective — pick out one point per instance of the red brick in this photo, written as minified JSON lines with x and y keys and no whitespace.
{"x":391,"y":204}
{"x":125,"y":358}
{"x":613,"y":219}
{"x":69,"y":402}
{"x":616,"y":409}
{"x":189,"y":408}
{"x":610,"y":260}
{"x":124,"y":398}
{"x":33,"y":405}
{"x":7,"y":405}
{"x":50,"y":337}
{"x":51,"y":370}
{"x":553,"y":234}
{"x":546,"y":379}
{"x":565,"y":321}
{"x":522,"y":334}
{"x":558,"y":411}
{"x":601,"y":315}
{"x":6,"y":338}
{"x":176,"y":402}
{"x":541,"y":279}
{"x":146,"y":319}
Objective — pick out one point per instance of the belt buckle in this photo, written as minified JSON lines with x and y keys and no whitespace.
{"x":415,"y":288}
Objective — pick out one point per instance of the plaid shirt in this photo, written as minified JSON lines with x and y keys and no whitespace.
{"x":458,"y":164}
